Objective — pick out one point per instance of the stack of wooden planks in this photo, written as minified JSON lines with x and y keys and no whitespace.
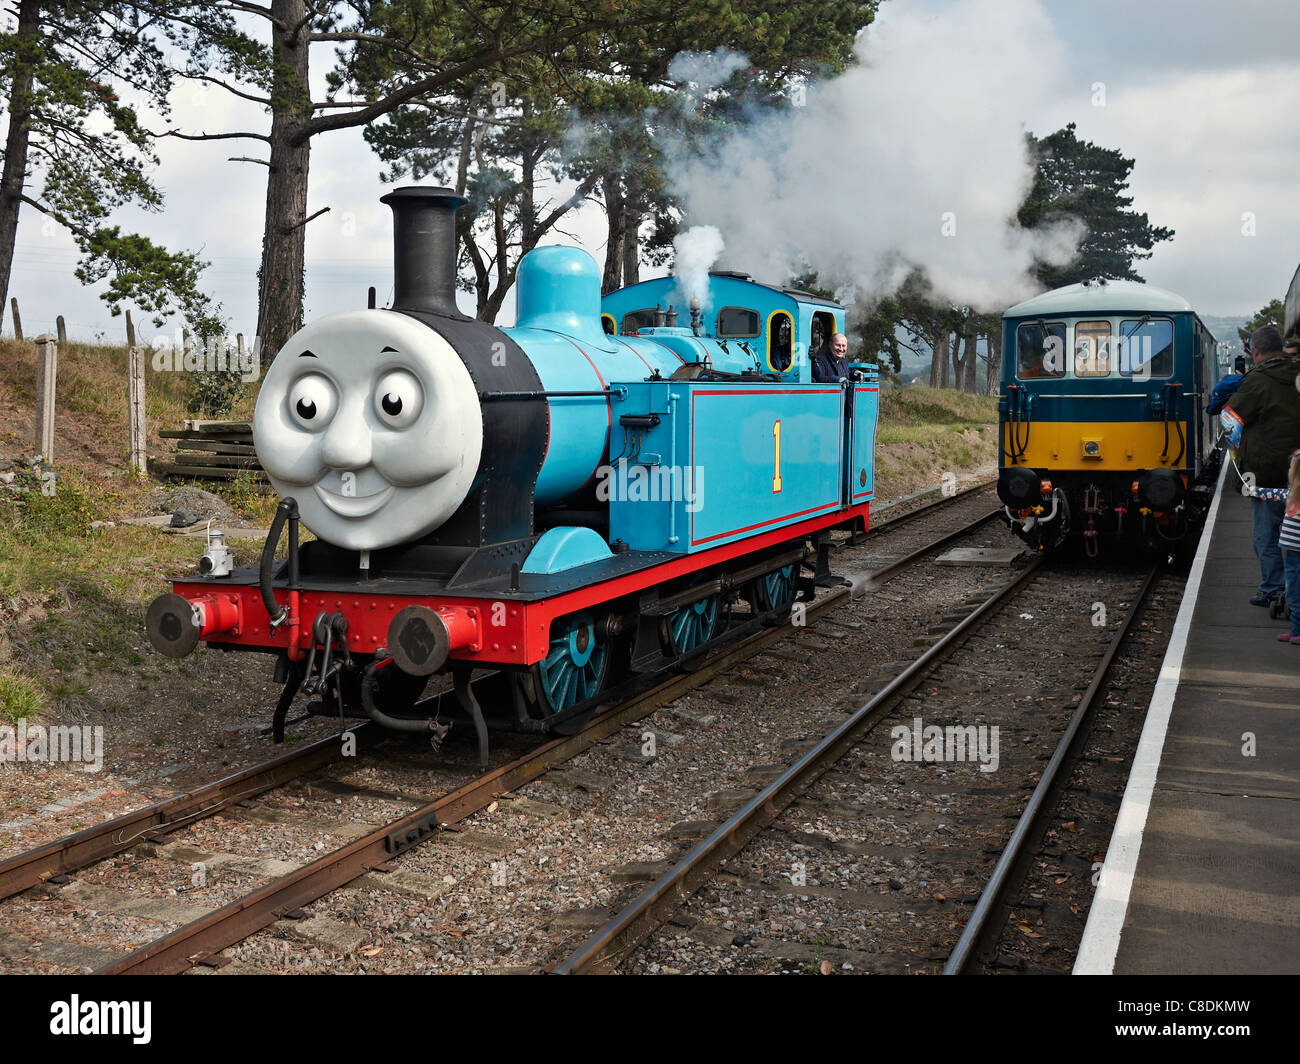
{"x":210,"y":450}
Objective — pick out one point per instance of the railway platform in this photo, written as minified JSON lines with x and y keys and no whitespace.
{"x":1202,"y":874}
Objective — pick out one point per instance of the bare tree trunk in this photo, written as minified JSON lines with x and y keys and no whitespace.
{"x":960,"y":346}
{"x":631,"y":249}
{"x":284,"y":237}
{"x":631,"y":233}
{"x":462,"y":163}
{"x":15,"y":168}
{"x":613,"y":191}
{"x":993,"y":384}
{"x":968,"y":364}
{"x":941,"y":350}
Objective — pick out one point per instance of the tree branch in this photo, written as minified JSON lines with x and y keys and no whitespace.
{"x":265,"y":100}
{"x":209,"y":136}
{"x":255,"y":9}
{"x":559,"y":212}
{"x":50,"y":212}
{"x":369,"y":38}
{"x":433,"y":81}
{"x":287,"y":229}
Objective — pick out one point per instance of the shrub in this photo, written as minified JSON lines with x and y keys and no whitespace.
{"x":20,"y":697}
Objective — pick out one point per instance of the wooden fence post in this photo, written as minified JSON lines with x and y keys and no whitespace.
{"x":135,"y":408}
{"x":47,"y":371}
{"x":130,"y":331}
{"x":18,"y":322}
{"x":61,"y":329}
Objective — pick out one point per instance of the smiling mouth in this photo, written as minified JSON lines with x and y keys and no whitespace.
{"x":354,"y":505}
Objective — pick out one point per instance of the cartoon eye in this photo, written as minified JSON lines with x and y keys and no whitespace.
{"x":398,"y":399}
{"x":312,"y":401}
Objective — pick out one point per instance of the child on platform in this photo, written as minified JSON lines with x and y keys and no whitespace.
{"x":1289,"y":541}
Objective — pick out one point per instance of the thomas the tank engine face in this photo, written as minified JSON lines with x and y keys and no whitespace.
{"x":371,"y":421}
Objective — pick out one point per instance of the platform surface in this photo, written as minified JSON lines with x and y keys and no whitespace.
{"x":1202,"y":874}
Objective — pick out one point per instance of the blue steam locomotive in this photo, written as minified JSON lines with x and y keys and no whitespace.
{"x":1103,"y":430}
{"x":582,"y":495}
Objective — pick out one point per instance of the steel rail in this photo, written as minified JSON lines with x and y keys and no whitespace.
{"x":930,"y":507}
{"x":74,"y":852}
{"x":975,"y":927}
{"x":224,"y":927}
{"x":234,"y":922}
{"x":877,"y":577}
{"x":606,"y":949}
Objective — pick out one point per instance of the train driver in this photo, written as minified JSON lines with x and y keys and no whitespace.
{"x":831,"y":363}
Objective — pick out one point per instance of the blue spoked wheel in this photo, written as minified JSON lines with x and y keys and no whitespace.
{"x":575,"y":666}
{"x":772,"y":594}
{"x":687,"y":630}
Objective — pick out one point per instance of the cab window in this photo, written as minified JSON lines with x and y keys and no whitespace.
{"x":738,"y":322}
{"x":1040,"y":350}
{"x":1146,"y":348}
{"x":638,"y":319}
{"x":1092,"y":349}
{"x":780,"y":341}
{"x":823,"y":328}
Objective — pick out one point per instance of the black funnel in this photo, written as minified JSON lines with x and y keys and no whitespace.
{"x":424,"y":249}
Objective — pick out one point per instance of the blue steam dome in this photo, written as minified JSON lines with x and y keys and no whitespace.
{"x":558,"y":288}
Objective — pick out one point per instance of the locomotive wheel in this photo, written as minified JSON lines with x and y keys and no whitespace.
{"x":575,"y":667}
{"x":772,"y":595}
{"x":685,"y":632}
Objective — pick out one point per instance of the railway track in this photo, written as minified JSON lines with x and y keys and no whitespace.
{"x":365,"y":857}
{"x":652,"y":911}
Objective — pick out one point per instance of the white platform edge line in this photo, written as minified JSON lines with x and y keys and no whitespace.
{"x":1101,"y":934}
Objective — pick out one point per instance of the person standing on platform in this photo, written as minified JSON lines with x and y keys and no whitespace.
{"x":1267,"y":409}
{"x":1289,"y":541}
{"x":1228,"y":384}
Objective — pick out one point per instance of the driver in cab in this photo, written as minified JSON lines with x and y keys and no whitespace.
{"x":831,"y":363}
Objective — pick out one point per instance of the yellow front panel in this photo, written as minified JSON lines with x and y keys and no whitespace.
{"x":1122,"y":444}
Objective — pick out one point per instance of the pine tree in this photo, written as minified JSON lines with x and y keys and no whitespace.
{"x":75,"y":151}
{"x":1076,"y":179}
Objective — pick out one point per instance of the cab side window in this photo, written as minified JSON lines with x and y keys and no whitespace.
{"x":737,"y":322}
{"x":823,"y":328}
{"x":638,"y":319}
{"x":1040,"y":350}
{"x":780,"y":341}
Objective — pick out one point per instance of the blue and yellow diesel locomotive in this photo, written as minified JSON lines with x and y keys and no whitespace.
{"x":1103,"y":430}
{"x":592,"y":488}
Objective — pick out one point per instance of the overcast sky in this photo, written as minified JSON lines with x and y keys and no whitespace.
{"x":1203,"y":94}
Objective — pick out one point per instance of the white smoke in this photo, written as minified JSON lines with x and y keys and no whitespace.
{"x":699,"y":73}
{"x":695,"y":250}
{"x":914,"y":157}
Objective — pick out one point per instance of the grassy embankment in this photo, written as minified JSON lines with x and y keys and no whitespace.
{"x":72,"y":600}
{"x":924,"y":433}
